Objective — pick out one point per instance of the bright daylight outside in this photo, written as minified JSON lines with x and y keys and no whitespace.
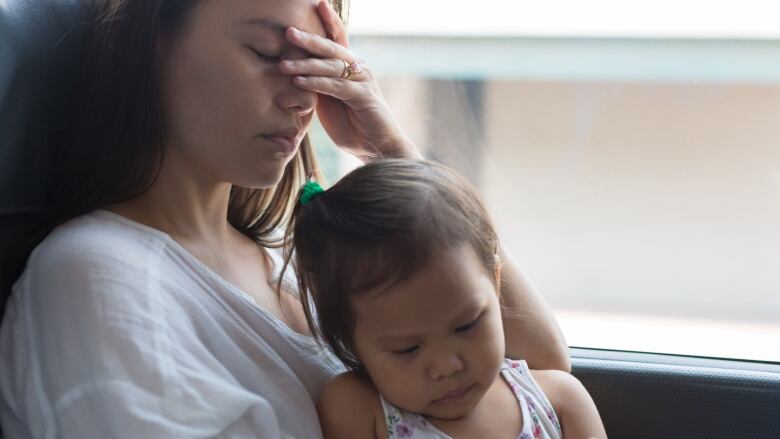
{"x":628,"y":150}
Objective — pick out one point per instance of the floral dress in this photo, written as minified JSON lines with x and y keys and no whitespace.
{"x":539,"y":418}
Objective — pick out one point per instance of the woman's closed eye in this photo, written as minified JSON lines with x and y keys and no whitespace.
{"x":265,"y":57}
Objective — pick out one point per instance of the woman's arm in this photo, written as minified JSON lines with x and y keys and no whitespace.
{"x":530,"y":327}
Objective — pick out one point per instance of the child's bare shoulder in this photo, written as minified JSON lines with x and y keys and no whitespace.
{"x":558,"y":386}
{"x":349,"y":407}
{"x":576,"y":411}
{"x":351,"y":388}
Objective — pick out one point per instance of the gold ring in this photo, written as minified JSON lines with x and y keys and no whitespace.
{"x":345,"y":72}
{"x":352,"y":70}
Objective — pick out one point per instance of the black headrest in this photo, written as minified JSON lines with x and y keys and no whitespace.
{"x":36,"y":56}
{"x":39,"y":55}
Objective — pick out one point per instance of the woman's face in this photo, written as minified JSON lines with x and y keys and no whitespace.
{"x":230,"y":115}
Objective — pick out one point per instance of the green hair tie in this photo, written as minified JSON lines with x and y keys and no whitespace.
{"x":310,"y":190}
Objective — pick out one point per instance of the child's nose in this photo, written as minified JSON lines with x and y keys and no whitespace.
{"x":445,"y":364}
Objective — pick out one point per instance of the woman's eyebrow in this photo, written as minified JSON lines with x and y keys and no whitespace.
{"x":264,"y":22}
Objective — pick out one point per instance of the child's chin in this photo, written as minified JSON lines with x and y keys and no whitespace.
{"x":450,"y":412}
{"x":447,"y":415}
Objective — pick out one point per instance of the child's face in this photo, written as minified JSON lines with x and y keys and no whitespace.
{"x":433,"y":344}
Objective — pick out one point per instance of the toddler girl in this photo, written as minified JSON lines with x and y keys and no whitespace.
{"x":400,"y":273}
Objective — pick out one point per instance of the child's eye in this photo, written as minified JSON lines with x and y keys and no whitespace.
{"x":406,"y":351}
{"x":468,"y":326}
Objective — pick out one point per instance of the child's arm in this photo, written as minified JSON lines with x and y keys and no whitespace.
{"x":532,"y":332}
{"x":575,"y":408}
{"x":349,"y":407}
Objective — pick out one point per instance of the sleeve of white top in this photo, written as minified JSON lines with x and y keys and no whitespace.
{"x":102,"y":350}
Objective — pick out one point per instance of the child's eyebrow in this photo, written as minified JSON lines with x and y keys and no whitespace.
{"x":391,"y":338}
{"x":472,"y":310}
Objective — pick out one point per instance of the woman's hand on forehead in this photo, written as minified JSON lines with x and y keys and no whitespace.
{"x":351,"y":107}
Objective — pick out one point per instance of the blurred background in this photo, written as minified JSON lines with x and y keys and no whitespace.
{"x":628,"y":150}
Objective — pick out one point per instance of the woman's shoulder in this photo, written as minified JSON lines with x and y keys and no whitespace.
{"x":92,"y":253}
{"x":96,"y":238}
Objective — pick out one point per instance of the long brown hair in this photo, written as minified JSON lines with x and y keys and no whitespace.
{"x":375,"y":227}
{"x":109,"y":144}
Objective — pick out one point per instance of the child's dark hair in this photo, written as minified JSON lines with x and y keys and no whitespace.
{"x":376,"y":227}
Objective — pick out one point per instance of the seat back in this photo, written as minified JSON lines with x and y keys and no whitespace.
{"x":38,"y":57}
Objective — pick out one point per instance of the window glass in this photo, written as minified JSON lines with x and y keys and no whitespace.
{"x":628,"y":151}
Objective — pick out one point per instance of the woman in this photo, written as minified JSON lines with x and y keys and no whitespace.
{"x":150,"y":311}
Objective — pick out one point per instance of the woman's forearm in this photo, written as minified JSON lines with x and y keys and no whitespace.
{"x":400,"y":148}
{"x":531,"y":331}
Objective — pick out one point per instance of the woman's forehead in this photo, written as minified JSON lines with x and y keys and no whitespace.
{"x":272,"y":14}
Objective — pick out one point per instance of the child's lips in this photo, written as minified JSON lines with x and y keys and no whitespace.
{"x":453,"y":395}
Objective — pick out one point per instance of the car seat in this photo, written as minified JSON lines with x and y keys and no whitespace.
{"x":38,"y":57}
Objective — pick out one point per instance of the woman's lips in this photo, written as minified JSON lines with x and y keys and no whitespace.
{"x":453,"y":396}
{"x":288,"y":144}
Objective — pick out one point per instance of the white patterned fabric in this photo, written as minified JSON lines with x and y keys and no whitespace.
{"x":539,"y":418}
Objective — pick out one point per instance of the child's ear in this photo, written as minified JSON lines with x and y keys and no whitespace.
{"x":497,"y":272}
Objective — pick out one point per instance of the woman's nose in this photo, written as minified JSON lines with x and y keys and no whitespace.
{"x":293,"y":99}
{"x":445,"y":364}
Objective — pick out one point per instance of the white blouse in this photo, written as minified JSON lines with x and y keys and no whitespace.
{"x":114,"y":330}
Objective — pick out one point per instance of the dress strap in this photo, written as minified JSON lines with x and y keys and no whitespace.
{"x":539,"y":418}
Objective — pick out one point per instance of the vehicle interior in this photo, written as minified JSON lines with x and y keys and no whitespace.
{"x":640,"y":393}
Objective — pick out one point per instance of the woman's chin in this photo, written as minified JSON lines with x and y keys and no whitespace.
{"x":264,"y":180}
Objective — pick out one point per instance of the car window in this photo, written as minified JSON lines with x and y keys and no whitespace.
{"x":627,"y":150}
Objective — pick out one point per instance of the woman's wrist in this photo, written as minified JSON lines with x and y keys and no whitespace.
{"x":400,"y":149}
{"x":408,"y":150}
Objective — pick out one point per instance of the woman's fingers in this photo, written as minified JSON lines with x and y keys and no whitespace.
{"x":335,"y":68}
{"x":349,"y":92}
{"x":334,"y":27}
{"x":313,"y":67}
{"x":317,"y":45}
{"x":333,"y":52}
